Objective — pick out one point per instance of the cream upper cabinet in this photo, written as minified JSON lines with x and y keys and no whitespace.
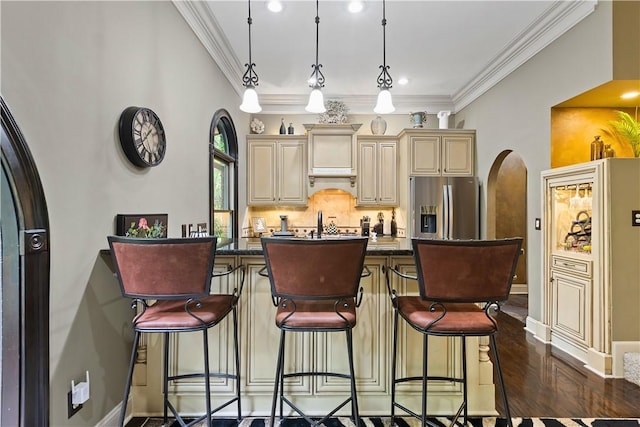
{"x":276,"y":172}
{"x":377,"y":171}
{"x":440,"y":152}
{"x":590,"y":262}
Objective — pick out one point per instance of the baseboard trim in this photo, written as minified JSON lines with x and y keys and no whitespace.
{"x":112,"y":418}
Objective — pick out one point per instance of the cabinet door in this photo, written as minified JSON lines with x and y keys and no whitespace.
{"x":261,"y":337}
{"x":370,"y":342}
{"x":292,"y":188}
{"x":187,"y":355}
{"x":388,"y":181}
{"x":570,"y":316}
{"x":457,"y":155}
{"x":261,"y":173}
{"x":367,"y":173}
{"x":425,"y":155}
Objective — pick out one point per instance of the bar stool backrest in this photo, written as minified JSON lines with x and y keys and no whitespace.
{"x":466,"y":270}
{"x":314,"y":269}
{"x":174,"y":268}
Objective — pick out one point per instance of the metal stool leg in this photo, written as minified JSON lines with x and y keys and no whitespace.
{"x":207,"y":378}
{"x":354,"y":396}
{"x":165,"y":376}
{"x":277,"y":380}
{"x":127,"y":387}
{"x":464,"y":378}
{"x":494,"y":346}
{"x":393,"y":367}
{"x":237,"y":354}
{"x":425,"y":362}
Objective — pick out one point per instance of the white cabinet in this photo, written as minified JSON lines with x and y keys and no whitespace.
{"x":440,"y":152}
{"x":276,"y":172}
{"x":591,"y":261}
{"x":377,"y":171}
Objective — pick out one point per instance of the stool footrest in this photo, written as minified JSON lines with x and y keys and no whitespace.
{"x":317,"y":374}
{"x":311,"y":422}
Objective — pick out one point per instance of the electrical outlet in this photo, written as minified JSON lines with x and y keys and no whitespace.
{"x":635,"y":218}
{"x":78,"y":395}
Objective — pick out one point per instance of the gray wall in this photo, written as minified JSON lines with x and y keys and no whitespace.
{"x":515,"y":115}
{"x":68,"y":71}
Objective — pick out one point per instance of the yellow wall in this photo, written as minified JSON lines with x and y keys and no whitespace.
{"x":573,"y":129}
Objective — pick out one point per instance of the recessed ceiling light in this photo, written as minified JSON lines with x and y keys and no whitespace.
{"x":403,"y":81}
{"x":355,"y":6}
{"x":274,"y":6}
{"x":630,"y":95}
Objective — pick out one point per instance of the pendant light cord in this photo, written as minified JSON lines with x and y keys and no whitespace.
{"x":384,"y":79}
{"x":317,"y":78}
{"x":250,"y":78}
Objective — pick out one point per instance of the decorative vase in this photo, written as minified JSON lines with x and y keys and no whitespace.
{"x":291,"y":130}
{"x":418,"y":118}
{"x":283,"y":129}
{"x":443,"y":117}
{"x":378,"y":126}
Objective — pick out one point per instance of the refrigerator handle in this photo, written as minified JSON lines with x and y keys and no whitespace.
{"x":445,"y":212}
{"x":451,"y":213}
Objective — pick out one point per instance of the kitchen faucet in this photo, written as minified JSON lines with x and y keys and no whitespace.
{"x":319,"y":224}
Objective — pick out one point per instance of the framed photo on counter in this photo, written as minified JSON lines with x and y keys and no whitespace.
{"x":259,"y":225}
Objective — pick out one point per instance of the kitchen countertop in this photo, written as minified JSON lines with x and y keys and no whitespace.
{"x":384,"y":246}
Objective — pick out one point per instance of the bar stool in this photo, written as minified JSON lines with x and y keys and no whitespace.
{"x":176,"y":274}
{"x":315,"y":285}
{"x":453,"y":276}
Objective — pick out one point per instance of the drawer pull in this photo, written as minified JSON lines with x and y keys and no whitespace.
{"x":568,"y":264}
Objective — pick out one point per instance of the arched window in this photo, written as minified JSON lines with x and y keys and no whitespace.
{"x":223,"y":177}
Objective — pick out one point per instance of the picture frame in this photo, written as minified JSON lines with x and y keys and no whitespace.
{"x":259,"y":225}
{"x":124,"y":221}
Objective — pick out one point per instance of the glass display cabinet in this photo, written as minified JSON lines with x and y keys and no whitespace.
{"x":591,"y":261}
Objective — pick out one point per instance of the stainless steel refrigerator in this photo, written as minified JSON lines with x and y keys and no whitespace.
{"x":445,"y":207}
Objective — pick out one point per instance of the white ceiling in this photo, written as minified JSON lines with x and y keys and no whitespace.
{"x":451,"y":51}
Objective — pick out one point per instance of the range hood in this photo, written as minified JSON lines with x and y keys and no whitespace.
{"x":332,"y":156}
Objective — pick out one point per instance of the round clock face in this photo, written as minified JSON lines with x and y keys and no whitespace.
{"x":142,"y":136}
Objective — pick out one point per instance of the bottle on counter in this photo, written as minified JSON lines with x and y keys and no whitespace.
{"x":283,"y":129}
{"x":597,"y":147}
{"x":394,"y":224}
{"x":290,"y":129}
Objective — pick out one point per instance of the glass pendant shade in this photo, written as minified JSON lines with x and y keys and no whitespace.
{"x":316,"y":102}
{"x":250,"y":102}
{"x":385,"y":103}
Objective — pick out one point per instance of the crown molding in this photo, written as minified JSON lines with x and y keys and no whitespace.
{"x":205,"y":26}
{"x":555,"y":21}
{"x":561,"y":16}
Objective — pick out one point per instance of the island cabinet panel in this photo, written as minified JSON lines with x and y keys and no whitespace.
{"x":370,"y":337}
{"x":261,"y":337}
{"x":259,"y":340}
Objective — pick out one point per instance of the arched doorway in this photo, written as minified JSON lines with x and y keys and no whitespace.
{"x":24,"y":243}
{"x":507,"y":207}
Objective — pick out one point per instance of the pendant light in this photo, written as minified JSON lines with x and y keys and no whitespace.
{"x":316,"y":81}
{"x":250,"y":102}
{"x":384,"y":104}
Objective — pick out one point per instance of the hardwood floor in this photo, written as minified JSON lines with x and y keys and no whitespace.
{"x":544,"y":382}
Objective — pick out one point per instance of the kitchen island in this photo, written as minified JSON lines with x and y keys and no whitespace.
{"x":372,"y":349}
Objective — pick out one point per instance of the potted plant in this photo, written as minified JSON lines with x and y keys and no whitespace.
{"x":626,"y":128}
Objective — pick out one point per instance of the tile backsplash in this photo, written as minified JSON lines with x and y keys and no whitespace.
{"x":337,"y":206}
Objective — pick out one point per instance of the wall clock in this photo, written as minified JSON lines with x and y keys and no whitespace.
{"x":142,"y":136}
